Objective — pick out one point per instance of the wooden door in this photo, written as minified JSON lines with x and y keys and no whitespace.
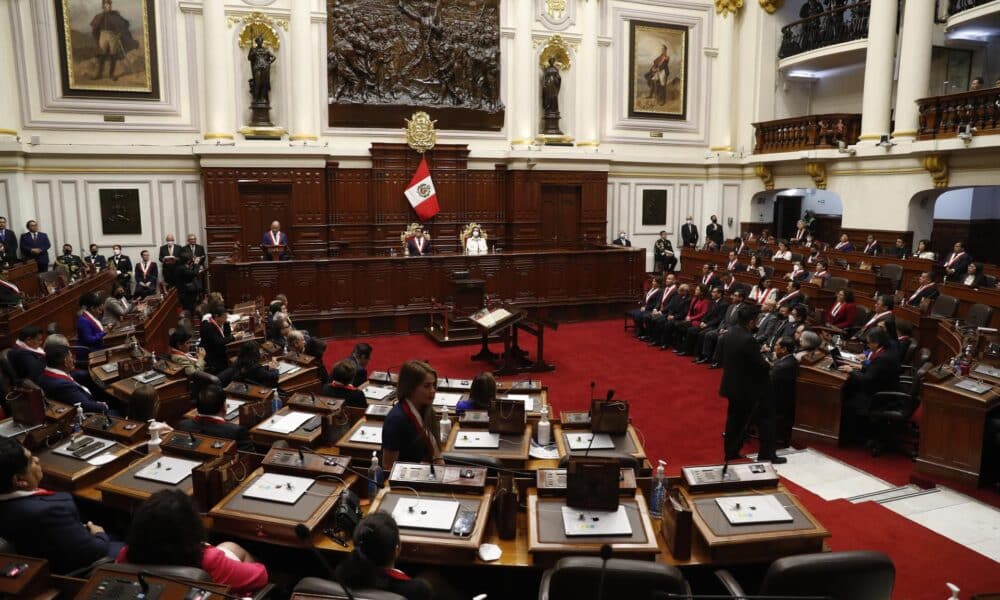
{"x":263,"y":203}
{"x":787,"y":212}
{"x":560,"y":216}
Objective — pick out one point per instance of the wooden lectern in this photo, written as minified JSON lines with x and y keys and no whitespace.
{"x":275,"y":252}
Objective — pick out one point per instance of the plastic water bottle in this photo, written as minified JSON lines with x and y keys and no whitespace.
{"x":544,"y":428}
{"x":275,"y":401}
{"x":659,"y":491}
{"x":374,"y":476}
{"x":78,"y":419}
{"x":445,"y":426}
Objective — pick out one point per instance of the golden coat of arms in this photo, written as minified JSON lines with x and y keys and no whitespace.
{"x":420,"y":134}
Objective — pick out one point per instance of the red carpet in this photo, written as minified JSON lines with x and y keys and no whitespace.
{"x":676,"y":407}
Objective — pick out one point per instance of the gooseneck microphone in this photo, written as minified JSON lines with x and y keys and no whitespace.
{"x":605,"y":555}
{"x":302,"y":532}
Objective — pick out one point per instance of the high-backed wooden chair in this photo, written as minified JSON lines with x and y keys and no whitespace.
{"x":409,"y":233}
{"x":466,"y":235}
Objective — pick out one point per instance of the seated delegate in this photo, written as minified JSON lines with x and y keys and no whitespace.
{"x":372,"y":563}
{"x":210,"y":419}
{"x":340,"y":386}
{"x":410,"y":431}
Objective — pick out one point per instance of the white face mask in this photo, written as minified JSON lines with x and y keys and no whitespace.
{"x":475,"y":234}
{"x":621,"y":236}
{"x":792,"y":319}
{"x":689,"y":221}
{"x":117,"y":252}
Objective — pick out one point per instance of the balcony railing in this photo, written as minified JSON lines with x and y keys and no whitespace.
{"x":944,"y":116}
{"x":806,"y":133}
{"x":826,"y":28}
{"x":957,"y":6}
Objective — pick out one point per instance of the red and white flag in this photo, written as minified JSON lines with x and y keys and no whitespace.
{"x":421,"y":194}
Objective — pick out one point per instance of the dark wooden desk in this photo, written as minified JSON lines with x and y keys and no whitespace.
{"x":125,"y":491}
{"x":31,"y":584}
{"x":66,"y":473}
{"x":175,"y":398}
{"x":380,"y":294}
{"x":912,"y":267}
{"x":952,"y":430}
{"x":817,"y":404}
{"x":60,"y":307}
{"x":25,"y":277}
{"x":513,"y":450}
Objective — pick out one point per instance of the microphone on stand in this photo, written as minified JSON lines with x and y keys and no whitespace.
{"x":302,"y":532}
{"x":605,"y":555}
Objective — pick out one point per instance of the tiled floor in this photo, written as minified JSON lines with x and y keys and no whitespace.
{"x":827,"y":477}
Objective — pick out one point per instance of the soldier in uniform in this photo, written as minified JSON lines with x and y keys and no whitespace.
{"x":70,"y":262}
{"x":123,"y":267}
{"x":113,"y":39}
{"x":663,"y":254}
{"x":95,"y":259}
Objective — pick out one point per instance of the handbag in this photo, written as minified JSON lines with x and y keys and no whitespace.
{"x":252,"y":413}
{"x":27,"y":406}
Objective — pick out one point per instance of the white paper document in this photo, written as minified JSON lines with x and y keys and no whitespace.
{"x":167,"y":469}
{"x":477,"y":439}
{"x":273,"y":487}
{"x":752,"y":510}
{"x":582,"y":441}
{"x":368,"y":434}
{"x":423,"y":513}
{"x":377,"y":392}
{"x":286,"y":423}
{"x":578,"y":522}
{"x":448,"y":399}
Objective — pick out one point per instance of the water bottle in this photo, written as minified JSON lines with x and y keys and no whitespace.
{"x":544,"y":428}
{"x":275,"y":401}
{"x":445,"y":426}
{"x":153,"y":445}
{"x":154,"y":356}
{"x":659,"y":491}
{"x":78,"y":419}
{"x":374,"y":476}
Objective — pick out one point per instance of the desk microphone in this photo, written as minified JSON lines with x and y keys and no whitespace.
{"x":302,"y":457}
{"x":302,"y":532}
{"x":605,"y":555}
{"x":591,"y":399}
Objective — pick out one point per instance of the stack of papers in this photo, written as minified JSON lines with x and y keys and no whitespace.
{"x":284,"y":368}
{"x":286,"y":423}
{"x":377,"y":392}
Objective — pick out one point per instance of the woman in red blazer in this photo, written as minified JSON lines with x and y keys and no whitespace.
{"x":842,"y":314}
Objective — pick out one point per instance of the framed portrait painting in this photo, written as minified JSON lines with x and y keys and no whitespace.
{"x":107,"y":48}
{"x":658,"y":57}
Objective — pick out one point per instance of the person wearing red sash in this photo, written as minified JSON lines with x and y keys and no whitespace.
{"x":43,"y":523}
{"x":410,"y":431}
{"x":340,"y":386}
{"x":146,"y":276}
{"x":844,"y":312}
{"x":179,"y":340}
{"x":275,"y":237}
{"x":59,"y":385}
{"x":90,"y":331}
{"x":880,"y":373}
{"x":372,"y":563}
{"x":27,"y":357}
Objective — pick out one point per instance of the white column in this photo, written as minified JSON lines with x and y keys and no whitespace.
{"x":219,"y":93}
{"x":588,"y":71}
{"x":914,"y":65}
{"x":10,"y":116}
{"x":720,"y":122}
{"x":301,"y":59}
{"x":523,"y":72}
{"x":878,"y":70}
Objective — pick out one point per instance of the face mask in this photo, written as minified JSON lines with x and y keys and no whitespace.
{"x":621,"y":237}
{"x":475,"y":234}
{"x":689,"y":221}
{"x":67,"y":252}
{"x":714,"y":220}
{"x":792,"y":319}
{"x":117,"y":252}
{"x":93,"y":252}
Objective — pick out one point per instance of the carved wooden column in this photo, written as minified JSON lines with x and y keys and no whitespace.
{"x":220,"y":96}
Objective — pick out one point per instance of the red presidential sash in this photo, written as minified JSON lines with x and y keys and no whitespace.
{"x":418,"y":423}
{"x":49,"y":372}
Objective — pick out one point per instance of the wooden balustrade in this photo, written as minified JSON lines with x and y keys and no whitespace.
{"x":826,"y":28}
{"x":806,"y":133}
{"x":943,"y":116}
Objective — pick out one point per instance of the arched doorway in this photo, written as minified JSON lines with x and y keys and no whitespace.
{"x":970,"y":215}
{"x":778,"y":210}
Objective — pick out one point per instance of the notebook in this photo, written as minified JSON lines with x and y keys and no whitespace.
{"x":273,"y":487}
{"x":753,"y":510}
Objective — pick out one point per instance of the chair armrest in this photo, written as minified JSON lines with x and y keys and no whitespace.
{"x":733,"y":587}
{"x":264,"y":592}
{"x":84,"y":572}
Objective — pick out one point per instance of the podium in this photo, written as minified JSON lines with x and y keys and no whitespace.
{"x":275,"y":252}
{"x":450,"y":327}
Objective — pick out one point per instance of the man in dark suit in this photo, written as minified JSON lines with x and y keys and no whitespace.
{"x":198,"y":257}
{"x":43,"y":523}
{"x":710,"y":340}
{"x":275,"y":237}
{"x":689,"y":233}
{"x":879,"y":373}
{"x":95,"y":259}
{"x":649,"y":302}
{"x":708,"y":277}
{"x":882,"y":312}
{"x":793,"y":295}
{"x":872,"y":247}
{"x":783,"y":373}
{"x":844,"y":245}
{"x":768,"y":321}
{"x":744,"y":384}
{"x":170,"y":253}
{"x":419,"y":244}
{"x":622,"y":240}
{"x":146,"y":276}
{"x":215,"y":334}
{"x":360,"y":356}
{"x":973,"y":277}
{"x":27,"y":357}
{"x":733,"y":264}
{"x":8,"y":239}
{"x":675,"y":310}
{"x":957,"y":264}
{"x":659,"y":309}
{"x":713,"y":232}
{"x":35,"y":246}
{"x":926,"y":288}
{"x":340,"y":386}
{"x":899,"y":250}
{"x":210,"y":419}
{"x":123,"y":268}
{"x":59,"y":385}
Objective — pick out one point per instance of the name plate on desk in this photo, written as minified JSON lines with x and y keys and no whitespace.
{"x":444,"y":478}
{"x":378,"y":392}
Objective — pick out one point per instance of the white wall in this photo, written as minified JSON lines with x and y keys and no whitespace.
{"x":839,"y":91}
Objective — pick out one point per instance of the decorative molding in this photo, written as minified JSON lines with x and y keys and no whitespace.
{"x":556,"y":15}
{"x":724,"y":7}
{"x":556,"y":47}
{"x":771,"y":6}
{"x":817,"y":171}
{"x":555,"y":8}
{"x":937,"y":166}
{"x":766,"y":175}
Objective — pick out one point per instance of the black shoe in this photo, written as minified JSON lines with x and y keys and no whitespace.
{"x":665,"y":347}
{"x":654,"y":343}
{"x":715,"y":366}
{"x":682,"y":353}
{"x":700,"y":360}
{"x":774,"y":460}
{"x":642,"y":338}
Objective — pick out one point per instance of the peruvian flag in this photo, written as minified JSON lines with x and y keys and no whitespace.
{"x":421,"y":194}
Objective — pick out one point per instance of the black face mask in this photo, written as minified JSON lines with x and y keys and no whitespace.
{"x":67,"y":252}
{"x":93,"y":252}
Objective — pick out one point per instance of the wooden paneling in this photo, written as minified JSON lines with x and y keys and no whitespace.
{"x":384,"y":292}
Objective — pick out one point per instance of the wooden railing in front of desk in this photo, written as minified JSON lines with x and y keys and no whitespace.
{"x":808,"y":132}
{"x":943,"y":116}
{"x":60,"y":308}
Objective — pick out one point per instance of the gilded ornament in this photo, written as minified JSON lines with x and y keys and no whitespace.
{"x":817,"y":171}
{"x":555,"y":8}
{"x":557,"y":48}
{"x":258,"y":24}
{"x":420,"y":134}
{"x":766,"y":176}
{"x":724,"y":7}
{"x":937,"y":166}
{"x":771,"y":6}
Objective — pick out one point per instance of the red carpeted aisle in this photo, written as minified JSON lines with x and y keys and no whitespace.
{"x":676,"y":407}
